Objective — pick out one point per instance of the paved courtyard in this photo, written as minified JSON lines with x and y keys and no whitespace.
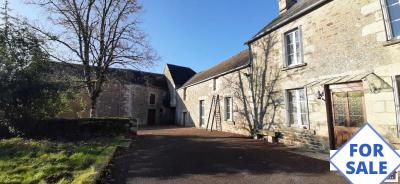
{"x":188,"y":155}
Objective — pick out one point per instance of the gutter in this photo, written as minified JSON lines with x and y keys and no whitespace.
{"x":287,"y":20}
{"x":219,"y":75}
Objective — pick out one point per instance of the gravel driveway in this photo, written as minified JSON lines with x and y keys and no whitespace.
{"x":189,"y":155}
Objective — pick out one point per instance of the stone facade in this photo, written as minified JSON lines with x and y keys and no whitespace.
{"x":127,"y":94}
{"x":189,"y":106}
{"x":342,"y":41}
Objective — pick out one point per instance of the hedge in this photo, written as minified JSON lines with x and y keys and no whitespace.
{"x":80,"y":128}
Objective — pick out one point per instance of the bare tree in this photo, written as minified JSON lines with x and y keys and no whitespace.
{"x":255,"y":88}
{"x":98,"y":34}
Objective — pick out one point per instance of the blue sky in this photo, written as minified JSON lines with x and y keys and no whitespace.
{"x":193,"y":33}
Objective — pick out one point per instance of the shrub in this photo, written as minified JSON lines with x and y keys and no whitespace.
{"x":80,"y":129}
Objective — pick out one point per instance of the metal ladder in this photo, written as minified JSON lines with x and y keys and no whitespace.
{"x":216,"y":114}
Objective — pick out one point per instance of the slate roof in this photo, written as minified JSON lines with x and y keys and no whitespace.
{"x":241,"y":59}
{"x":291,"y":14}
{"x":124,"y":76}
{"x":180,"y":74}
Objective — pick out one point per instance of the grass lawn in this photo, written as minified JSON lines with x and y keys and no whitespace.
{"x":33,"y":161}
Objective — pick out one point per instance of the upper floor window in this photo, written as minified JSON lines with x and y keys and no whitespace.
{"x":215,"y":84}
{"x":152,"y":99}
{"x":392,"y":16}
{"x":293,"y":50}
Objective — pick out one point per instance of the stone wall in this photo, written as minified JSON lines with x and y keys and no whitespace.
{"x":126,"y":100}
{"x":132,"y":100}
{"x":226,"y":86}
{"x":342,"y":38}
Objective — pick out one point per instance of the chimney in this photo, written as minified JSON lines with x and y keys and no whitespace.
{"x":284,"y":5}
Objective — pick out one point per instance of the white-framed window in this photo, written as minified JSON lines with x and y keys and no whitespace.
{"x":228,"y":109}
{"x":396,"y":90}
{"x":152,"y":99}
{"x":296,"y":103}
{"x":293,"y":48}
{"x":392,"y":18}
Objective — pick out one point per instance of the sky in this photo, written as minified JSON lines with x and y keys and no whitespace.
{"x":193,"y":33}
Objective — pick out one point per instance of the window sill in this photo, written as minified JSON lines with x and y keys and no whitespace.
{"x":294,"y":66}
{"x":392,"y":42}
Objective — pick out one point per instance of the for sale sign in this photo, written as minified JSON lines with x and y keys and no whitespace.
{"x":366,"y":158}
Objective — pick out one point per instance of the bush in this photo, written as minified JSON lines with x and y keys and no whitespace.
{"x":79,"y":129}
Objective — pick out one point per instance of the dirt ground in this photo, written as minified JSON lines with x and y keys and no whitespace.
{"x":189,"y":155}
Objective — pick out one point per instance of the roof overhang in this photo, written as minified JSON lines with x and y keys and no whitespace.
{"x":288,"y":20}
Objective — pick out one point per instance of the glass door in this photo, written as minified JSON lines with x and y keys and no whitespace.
{"x":348,"y":110}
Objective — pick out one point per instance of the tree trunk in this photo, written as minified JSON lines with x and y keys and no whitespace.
{"x":93,"y":112}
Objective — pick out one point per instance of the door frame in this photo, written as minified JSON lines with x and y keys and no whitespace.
{"x":329,"y":90}
{"x":155,"y":116}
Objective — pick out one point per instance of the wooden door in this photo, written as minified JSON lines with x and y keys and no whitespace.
{"x":151,"y":117}
{"x":348,"y":110}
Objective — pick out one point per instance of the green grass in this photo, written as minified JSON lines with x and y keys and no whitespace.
{"x":32,"y":161}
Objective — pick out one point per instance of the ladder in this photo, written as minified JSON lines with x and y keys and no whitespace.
{"x":215,"y":111}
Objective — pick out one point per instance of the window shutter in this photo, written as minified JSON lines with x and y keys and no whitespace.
{"x":286,"y":100}
{"x":301,"y":43}
{"x":284,"y":55}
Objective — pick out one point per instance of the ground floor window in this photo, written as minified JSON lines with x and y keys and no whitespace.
{"x":202,"y":112}
{"x":297,"y":107}
{"x":228,"y":108}
{"x":396,"y":87}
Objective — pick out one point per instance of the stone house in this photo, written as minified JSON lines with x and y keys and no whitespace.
{"x":339,"y":67}
{"x":195,"y":105}
{"x":127,"y":93}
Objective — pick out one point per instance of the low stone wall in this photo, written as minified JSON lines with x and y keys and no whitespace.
{"x":304,"y":139}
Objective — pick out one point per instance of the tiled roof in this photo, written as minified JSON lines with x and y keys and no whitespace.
{"x":292,"y":13}
{"x":180,"y":74}
{"x":239,"y":60}
{"x":124,"y":76}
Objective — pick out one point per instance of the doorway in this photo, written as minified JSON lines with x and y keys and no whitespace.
{"x":184,"y":114}
{"x":347,"y":111}
{"x":151,"y":117}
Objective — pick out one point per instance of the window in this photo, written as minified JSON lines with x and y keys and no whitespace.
{"x":293,"y":51}
{"x":392,"y":16}
{"x":228,"y":108}
{"x":184,"y":94}
{"x":152,"y":99}
{"x":202,"y":113}
{"x":396,"y":87}
{"x":215,"y":84}
{"x":297,"y":107}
